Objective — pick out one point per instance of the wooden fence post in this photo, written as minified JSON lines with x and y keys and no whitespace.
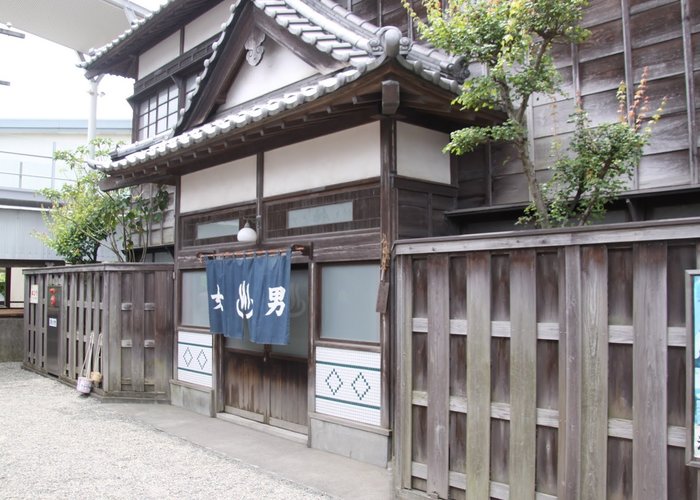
{"x":403,"y":381}
{"x":478,"y":374}
{"x":137,"y":331}
{"x":438,"y":375}
{"x":594,"y":371}
{"x":650,"y":350}
{"x":523,"y":372}
{"x":569,"y":452}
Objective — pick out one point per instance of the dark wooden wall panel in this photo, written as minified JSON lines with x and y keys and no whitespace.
{"x":546,"y":460}
{"x":500,"y":367}
{"x":620,"y":394}
{"x":500,"y":448}
{"x":421,"y":208}
{"x":619,"y":471}
{"x":599,"y":11}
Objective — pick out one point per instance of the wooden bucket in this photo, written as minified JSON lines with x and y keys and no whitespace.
{"x":84,"y":385}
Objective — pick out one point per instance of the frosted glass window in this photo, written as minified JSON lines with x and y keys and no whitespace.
{"x":216,"y":229}
{"x":194,"y":299}
{"x":348,"y":302}
{"x":299,"y":316}
{"x":316,"y":216}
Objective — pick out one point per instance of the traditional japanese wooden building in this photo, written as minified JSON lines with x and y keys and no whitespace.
{"x":321,"y":125}
{"x":319,"y":129}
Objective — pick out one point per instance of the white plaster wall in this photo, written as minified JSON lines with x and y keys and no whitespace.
{"x":159,"y":54}
{"x":224,"y":184}
{"x":419,"y":153}
{"x":279,"y":67}
{"x":345,"y":156}
{"x":206,"y":25}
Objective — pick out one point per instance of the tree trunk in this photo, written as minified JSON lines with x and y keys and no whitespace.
{"x":532,"y":183}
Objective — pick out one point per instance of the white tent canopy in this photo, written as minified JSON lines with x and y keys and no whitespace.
{"x":77,"y":24}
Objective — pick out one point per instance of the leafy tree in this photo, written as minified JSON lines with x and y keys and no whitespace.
{"x":83,"y":217}
{"x":513,"y":40}
{"x":603,"y":160}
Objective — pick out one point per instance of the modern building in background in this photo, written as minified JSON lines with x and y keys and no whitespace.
{"x":27,"y":165}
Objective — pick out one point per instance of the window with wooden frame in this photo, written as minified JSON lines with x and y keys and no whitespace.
{"x":350,"y":209}
{"x":158,"y":113}
{"x":214,"y":227}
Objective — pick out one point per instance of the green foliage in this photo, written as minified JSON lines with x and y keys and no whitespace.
{"x":602,"y":163}
{"x":512,"y":39}
{"x":83,"y":217}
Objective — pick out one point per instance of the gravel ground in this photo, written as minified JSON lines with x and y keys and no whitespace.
{"x":55,"y":443}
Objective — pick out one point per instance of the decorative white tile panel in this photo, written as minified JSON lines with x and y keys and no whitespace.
{"x":194,"y":358}
{"x":348,"y":384}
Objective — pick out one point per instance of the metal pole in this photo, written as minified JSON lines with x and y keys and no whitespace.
{"x":92,"y":118}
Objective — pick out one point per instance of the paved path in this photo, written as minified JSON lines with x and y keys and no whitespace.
{"x":56,"y":443}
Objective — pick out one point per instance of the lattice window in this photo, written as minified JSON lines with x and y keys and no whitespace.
{"x":158,"y":113}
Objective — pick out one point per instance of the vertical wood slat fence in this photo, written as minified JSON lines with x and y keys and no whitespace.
{"x":130,"y":305}
{"x":545,"y":365}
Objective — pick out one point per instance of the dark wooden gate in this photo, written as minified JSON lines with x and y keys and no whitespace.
{"x":547,"y":365}
{"x":267,"y":387}
{"x":129,"y":305}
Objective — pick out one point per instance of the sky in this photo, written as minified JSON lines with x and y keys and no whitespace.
{"x":51,"y":86}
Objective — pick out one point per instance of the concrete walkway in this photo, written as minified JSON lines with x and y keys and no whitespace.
{"x":332,"y":474}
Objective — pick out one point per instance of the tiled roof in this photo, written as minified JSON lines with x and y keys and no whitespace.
{"x":330,"y":28}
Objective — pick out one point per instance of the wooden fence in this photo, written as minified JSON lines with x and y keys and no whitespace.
{"x":129,"y":305}
{"x":545,"y":364}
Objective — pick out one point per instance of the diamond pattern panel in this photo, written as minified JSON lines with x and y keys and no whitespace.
{"x":348,"y":384}
{"x":194,"y":358}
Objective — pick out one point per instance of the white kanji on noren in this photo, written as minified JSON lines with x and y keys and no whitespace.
{"x":244,"y":304}
{"x":218,"y":298}
{"x":276,"y":298}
